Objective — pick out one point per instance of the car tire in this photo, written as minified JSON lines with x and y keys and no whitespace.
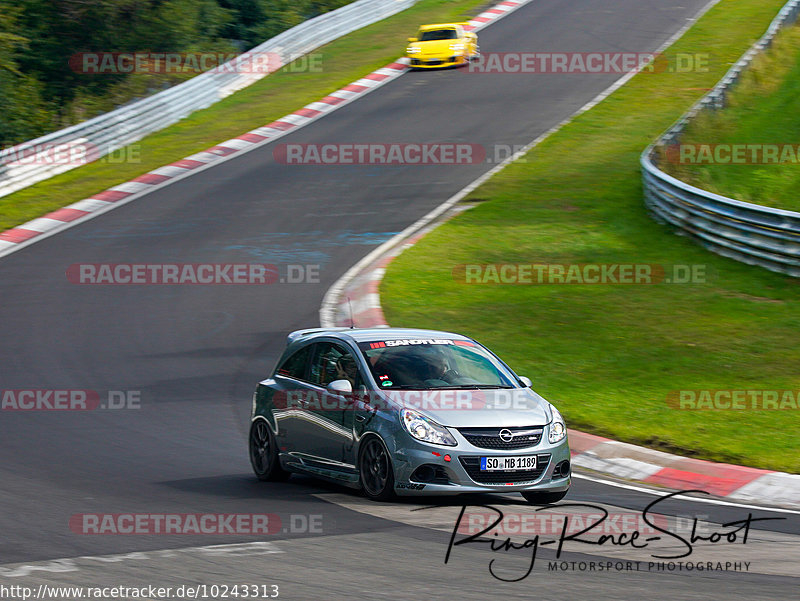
{"x":264,"y":453}
{"x":544,"y":498}
{"x":375,"y":469}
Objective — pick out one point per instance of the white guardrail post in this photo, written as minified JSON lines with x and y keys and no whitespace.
{"x":739,"y":230}
{"x":31,"y":162}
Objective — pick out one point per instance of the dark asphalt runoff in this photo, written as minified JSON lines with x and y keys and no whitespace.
{"x":191,"y":355}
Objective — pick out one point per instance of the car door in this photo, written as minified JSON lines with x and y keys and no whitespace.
{"x":289,"y":398}
{"x":328,"y":418}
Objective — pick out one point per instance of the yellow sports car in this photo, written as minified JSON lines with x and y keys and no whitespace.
{"x":442,"y":45}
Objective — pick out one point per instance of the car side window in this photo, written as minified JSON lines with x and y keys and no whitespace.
{"x":295,"y":365}
{"x":334,"y":362}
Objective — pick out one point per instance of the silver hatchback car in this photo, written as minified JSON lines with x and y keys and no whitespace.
{"x":406,"y":412}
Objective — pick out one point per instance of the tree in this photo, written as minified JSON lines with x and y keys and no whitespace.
{"x":22,"y":112}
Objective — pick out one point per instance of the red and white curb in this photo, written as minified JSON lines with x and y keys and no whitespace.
{"x":57,"y":221}
{"x":672,"y":471}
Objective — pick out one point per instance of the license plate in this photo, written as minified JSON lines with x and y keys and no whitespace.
{"x":508,"y":464}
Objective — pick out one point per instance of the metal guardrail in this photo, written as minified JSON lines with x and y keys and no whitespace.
{"x":747,"y":232}
{"x":116,"y":129}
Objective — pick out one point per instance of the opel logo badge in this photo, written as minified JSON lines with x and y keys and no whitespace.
{"x":506,"y":435}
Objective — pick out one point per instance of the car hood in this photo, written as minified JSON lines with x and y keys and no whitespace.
{"x":476,"y":408}
{"x":436,"y":47}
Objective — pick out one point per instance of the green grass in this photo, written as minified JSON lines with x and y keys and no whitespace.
{"x":283,"y":92}
{"x":609,"y":355}
{"x":763,"y":108}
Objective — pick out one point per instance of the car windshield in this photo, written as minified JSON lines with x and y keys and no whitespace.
{"x":434,"y":364}
{"x":438,"y":34}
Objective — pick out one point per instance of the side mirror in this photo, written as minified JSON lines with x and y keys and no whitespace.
{"x":526,"y":381}
{"x":412,"y":39}
{"x":340,"y":387}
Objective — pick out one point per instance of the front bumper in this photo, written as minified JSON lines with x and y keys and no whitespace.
{"x":462,"y":473}
{"x":435,"y":62}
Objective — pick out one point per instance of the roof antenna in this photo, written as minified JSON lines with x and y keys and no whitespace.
{"x":352,"y":321}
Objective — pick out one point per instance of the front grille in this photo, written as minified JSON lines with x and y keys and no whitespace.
{"x":473,"y":467}
{"x":489,"y":438}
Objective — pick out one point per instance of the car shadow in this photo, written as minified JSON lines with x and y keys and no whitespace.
{"x":298,"y":487}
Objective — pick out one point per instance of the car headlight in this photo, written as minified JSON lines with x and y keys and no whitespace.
{"x":424,"y":429}
{"x":413,"y":50}
{"x":557,"y":430}
{"x":456,"y":46}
